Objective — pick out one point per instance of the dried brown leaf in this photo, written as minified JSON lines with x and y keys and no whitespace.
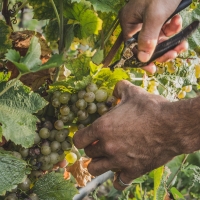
{"x":67,"y":175}
{"x":80,"y":172}
{"x":21,"y":41}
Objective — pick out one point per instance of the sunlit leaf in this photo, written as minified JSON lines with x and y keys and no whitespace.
{"x":87,"y":20}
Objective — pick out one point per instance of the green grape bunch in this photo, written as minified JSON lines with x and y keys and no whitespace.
{"x":83,"y":107}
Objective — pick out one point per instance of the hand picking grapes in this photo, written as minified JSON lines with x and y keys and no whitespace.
{"x":138,"y":134}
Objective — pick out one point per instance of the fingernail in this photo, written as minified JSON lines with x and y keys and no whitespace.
{"x":143,"y":56}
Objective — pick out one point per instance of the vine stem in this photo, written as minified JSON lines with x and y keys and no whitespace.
{"x":114,"y":26}
{"x":19,"y":8}
{"x":113,"y":51}
{"x":61,"y":38}
{"x":56,"y":11}
{"x":11,"y":85}
{"x":184,"y":160}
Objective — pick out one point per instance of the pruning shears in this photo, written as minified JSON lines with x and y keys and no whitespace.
{"x":129,"y":53}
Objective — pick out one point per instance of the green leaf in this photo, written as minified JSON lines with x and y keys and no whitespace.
{"x":55,"y":61}
{"x":174,"y":165}
{"x":188,"y":17}
{"x":86,"y":19}
{"x":5,"y":42}
{"x":98,"y":57}
{"x":16,"y":108}
{"x":69,"y":36}
{"x":31,"y":61}
{"x":53,"y":186}
{"x":33,"y":54}
{"x":42,"y":9}
{"x":107,"y":6}
{"x":160,"y":176}
{"x":52,"y":30}
{"x":79,"y":67}
{"x":117,"y":75}
{"x":102,"y":75}
{"x":81,"y":84}
{"x":176,"y":194}
{"x":4,"y":76}
{"x":12,"y":171}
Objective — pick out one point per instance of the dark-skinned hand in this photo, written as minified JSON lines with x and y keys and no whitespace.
{"x":134,"y":138}
{"x":149,"y":17}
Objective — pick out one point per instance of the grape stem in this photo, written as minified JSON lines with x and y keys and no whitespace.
{"x":11,"y":84}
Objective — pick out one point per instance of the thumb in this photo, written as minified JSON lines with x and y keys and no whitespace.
{"x":124,"y":90}
{"x":148,"y":38}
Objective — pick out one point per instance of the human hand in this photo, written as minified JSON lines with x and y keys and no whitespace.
{"x":149,"y":16}
{"x":135,"y":137}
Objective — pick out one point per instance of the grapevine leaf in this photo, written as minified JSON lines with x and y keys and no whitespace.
{"x":5,"y":42}
{"x":42,"y":9}
{"x":160,"y":176}
{"x":176,"y":194}
{"x":55,"y":61}
{"x":107,"y":6}
{"x":174,"y":165}
{"x":117,"y":75}
{"x":86,"y":19}
{"x":69,"y":36}
{"x":79,"y":67}
{"x":31,"y":61}
{"x":16,"y":108}
{"x":52,"y":30}
{"x":102,"y":75}
{"x":81,"y":84}
{"x":98,"y":57}
{"x":12,"y":171}
{"x":94,"y":68}
{"x":33,"y":54}
{"x":53,"y":186}
{"x":188,"y":17}
{"x":4,"y":76}
{"x":71,"y":84}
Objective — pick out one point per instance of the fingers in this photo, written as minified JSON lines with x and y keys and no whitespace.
{"x":121,"y":88}
{"x":94,"y":151}
{"x":172,"y":54}
{"x":85,"y":136}
{"x":99,"y":166}
{"x":151,"y":68}
{"x":152,"y":25}
{"x":121,"y":180}
{"x":173,"y":27}
{"x":148,"y":37}
{"x":124,"y":90}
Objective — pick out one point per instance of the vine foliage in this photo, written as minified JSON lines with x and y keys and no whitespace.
{"x":77,"y":36}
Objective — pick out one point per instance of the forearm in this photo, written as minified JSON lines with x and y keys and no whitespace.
{"x":184,"y":121}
